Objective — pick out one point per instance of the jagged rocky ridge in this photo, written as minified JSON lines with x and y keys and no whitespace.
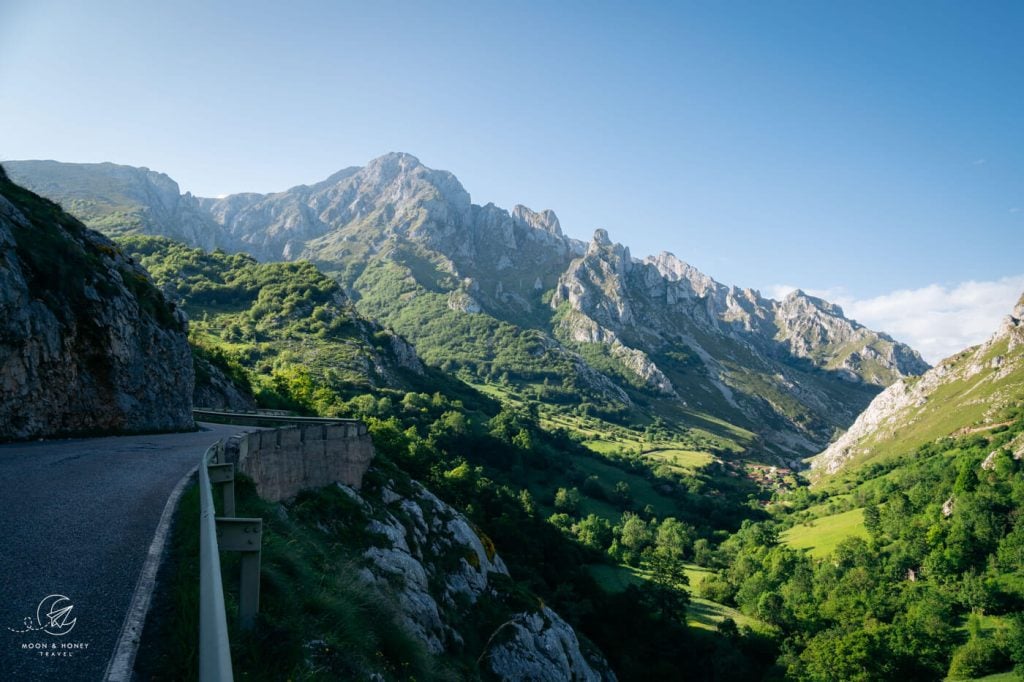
{"x":963,"y":393}
{"x":685,"y":335}
{"x":117,"y":199}
{"x":87,"y":343}
{"x":439,"y":570}
{"x":793,"y":371}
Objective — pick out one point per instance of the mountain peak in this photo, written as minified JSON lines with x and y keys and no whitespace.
{"x":798,"y":299}
{"x":400,"y":160}
{"x":612,"y":252}
{"x":545,"y":220}
{"x":392,"y":165}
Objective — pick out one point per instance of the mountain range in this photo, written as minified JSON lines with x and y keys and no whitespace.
{"x":507,"y":296}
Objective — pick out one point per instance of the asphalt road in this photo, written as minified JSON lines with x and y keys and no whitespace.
{"x":76,"y":520}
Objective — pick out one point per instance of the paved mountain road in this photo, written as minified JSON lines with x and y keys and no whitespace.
{"x":76,"y":519}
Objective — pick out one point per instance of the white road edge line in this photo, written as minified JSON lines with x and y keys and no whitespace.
{"x":119,"y":668}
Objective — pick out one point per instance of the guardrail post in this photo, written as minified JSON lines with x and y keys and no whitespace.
{"x":224,"y":474}
{"x":245,"y":536}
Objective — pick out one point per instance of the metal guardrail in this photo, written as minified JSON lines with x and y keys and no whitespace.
{"x":226,"y":533}
{"x":229,"y":533}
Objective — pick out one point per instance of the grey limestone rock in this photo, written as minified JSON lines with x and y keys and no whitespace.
{"x":87,"y":342}
{"x":904,"y":402}
{"x":434,"y":564}
{"x":540,"y":646}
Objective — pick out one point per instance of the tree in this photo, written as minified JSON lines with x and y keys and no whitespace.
{"x":980,"y":656}
{"x":1015,"y":643}
{"x":855,"y":656}
{"x":771,"y":608}
{"x":567,"y":500}
{"x":594,"y":532}
{"x":872,"y":520}
{"x":561,"y":521}
{"x":703,"y":555}
{"x":634,"y":533}
{"x":622,"y":493}
{"x":674,"y":539}
{"x":975,"y":593}
{"x":527,"y":503}
{"x":455,"y":422}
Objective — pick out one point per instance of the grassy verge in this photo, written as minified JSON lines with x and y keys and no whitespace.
{"x":170,"y":640}
{"x":316,"y":620}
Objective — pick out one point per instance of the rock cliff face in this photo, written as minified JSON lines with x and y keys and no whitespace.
{"x":87,"y":343}
{"x":442,"y":572}
{"x":798,"y":368}
{"x":215,"y":390}
{"x":541,"y":646}
{"x":962,"y":393}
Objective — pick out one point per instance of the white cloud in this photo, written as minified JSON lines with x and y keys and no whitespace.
{"x":935,"y":320}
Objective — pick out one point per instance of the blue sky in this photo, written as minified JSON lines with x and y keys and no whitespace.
{"x":851,"y":148}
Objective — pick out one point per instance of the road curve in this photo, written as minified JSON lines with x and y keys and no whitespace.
{"x":76,"y":520}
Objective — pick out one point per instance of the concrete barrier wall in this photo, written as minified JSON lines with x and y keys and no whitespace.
{"x":284,"y":461}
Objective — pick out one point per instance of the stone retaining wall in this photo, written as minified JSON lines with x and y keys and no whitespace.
{"x":290,"y":459}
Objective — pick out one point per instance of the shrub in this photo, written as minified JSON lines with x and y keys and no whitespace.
{"x":978,"y":657}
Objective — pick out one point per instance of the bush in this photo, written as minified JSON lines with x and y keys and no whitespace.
{"x":715,"y":588}
{"x":979,"y":657}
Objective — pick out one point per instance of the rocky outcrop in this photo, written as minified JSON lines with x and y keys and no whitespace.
{"x":680,"y":334}
{"x":438,"y":568}
{"x":215,"y":390}
{"x":986,"y":376}
{"x":87,"y":343}
{"x":545,"y":220}
{"x":428,"y":543}
{"x":541,"y":646}
{"x":404,"y":354}
{"x":811,"y":327}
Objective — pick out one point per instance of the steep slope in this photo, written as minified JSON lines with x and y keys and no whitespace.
{"x":963,"y":394}
{"x":87,"y":343}
{"x":506,"y":296}
{"x":449,"y":576}
{"x":290,"y":321}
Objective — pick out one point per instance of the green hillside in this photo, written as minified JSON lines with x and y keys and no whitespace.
{"x":906,"y":568}
{"x":301,"y":340}
{"x":964,"y":394}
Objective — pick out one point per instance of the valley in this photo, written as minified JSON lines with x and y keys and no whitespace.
{"x":631,"y":436}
